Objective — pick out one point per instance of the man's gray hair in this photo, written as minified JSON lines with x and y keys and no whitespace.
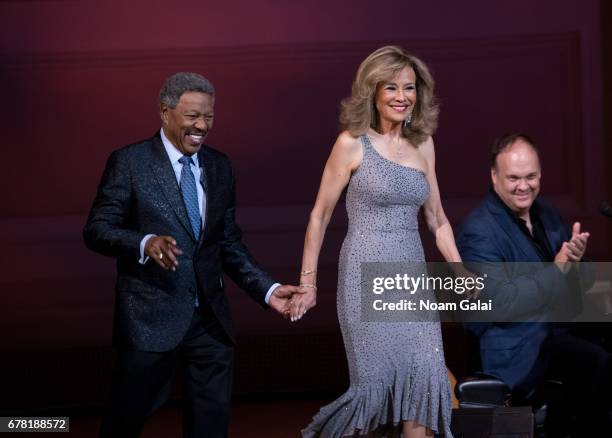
{"x":183,"y":82}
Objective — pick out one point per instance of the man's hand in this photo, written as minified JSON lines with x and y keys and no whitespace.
{"x":164,"y":251}
{"x":281,"y":297}
{"x":573,"y":250}
{"x":576,"y":247}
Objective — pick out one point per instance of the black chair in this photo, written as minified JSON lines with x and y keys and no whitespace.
{"x":479,"y":390}
{"x":482,"y":391}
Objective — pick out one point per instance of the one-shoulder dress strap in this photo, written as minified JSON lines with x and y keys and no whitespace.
{"x":367,"y":145}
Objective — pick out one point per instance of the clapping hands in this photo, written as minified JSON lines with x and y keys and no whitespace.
{"x":576,"y":247}
{"x":573,"y":250}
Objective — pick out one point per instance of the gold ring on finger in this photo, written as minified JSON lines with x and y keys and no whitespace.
{"x":161,"y":255}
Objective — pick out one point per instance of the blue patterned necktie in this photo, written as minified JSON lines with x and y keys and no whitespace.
{"x":190,"y":195}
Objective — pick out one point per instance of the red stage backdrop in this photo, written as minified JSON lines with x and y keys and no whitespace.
{"x":80,"y":78}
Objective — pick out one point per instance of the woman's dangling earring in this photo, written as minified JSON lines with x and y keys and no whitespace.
{"x":407,"y":120}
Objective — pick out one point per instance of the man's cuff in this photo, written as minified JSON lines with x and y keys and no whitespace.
{"x":271,"y":291}
{"x":143,"y":259}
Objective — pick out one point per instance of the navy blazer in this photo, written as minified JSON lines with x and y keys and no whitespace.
{"x":139,"y":195}
{"x":510,"y":350}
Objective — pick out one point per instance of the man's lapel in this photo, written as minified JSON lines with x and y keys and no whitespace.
{"x":166,"y":178}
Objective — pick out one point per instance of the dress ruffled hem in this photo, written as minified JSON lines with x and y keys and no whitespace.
{"x":378,"y":407}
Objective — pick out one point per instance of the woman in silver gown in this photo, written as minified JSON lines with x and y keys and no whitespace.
{"x":385,"y":155}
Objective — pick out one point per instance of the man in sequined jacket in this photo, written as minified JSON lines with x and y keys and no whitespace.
{"x":165,"y":210}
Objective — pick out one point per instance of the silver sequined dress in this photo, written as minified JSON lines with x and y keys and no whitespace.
{"x":397,"y":369}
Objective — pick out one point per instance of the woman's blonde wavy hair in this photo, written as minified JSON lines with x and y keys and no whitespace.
{"x":359,"y":110}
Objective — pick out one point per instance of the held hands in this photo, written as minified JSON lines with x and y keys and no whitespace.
{"x":164,"y":251}
{"x":281,"y":298}
{"x":307,"y":298}
{"x":293,"y":301}
{"x":303,"y":302}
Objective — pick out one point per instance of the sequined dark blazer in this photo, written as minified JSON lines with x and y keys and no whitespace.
{"x":139,"y":195}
